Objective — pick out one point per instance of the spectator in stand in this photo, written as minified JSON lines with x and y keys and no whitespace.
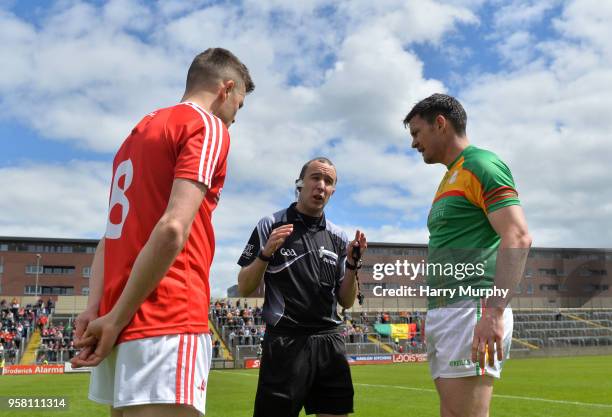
{"x":57,"y":345}
{"x":68,"y":330}
{"x":14,"y":306}
{"x":258,"y":315}
{"x":17,"y":340}
{"x":216,"y":348}
{"x":232,"y":337}
{"x":32,"y":316}
{"x":11,"y":351}
{"x":42,"y":322}
{"x":71,"y":350}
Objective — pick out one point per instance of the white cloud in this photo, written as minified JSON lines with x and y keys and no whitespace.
{"x":224,"y":271}
{"x":515,"y":26}
{"x":587,"y":20}
{"x":238,"y":213}
{"x":386,"y":197}
{"x":521,"y":13}
{"x":550,"y":124}
{"x":54,"y":200}
{"x":409,"y":21}
{"x":389,"y":233}
{"x":85,"y":74}
{"x":175,"y":8}
{"x":516,"y":49}
{"x":128,"y":13}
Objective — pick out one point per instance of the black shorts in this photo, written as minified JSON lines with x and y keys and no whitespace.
{"x":309,"y":371}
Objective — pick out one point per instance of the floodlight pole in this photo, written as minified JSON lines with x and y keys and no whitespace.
{"x":37,"y":272}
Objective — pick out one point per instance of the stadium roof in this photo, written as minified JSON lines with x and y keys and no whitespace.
{"x":46,"y":239}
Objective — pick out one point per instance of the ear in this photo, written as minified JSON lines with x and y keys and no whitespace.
{"x":440,"y":122}
{"x":227,"y":88}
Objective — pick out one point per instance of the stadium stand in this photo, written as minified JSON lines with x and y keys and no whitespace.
{"x":564,"y":329}
{"x":237,"y":329}
{"x":17,"y":325}
{"x":57,"y":344}
{"x":242,"y":329}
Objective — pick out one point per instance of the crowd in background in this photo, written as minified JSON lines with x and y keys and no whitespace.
{"x":240,"y":324}
{"x":17,"y":323}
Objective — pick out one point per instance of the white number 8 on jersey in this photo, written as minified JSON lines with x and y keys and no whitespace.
{"x":124,"y":169}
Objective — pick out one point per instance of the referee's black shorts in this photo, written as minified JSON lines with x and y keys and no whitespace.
{"x":309,"y":371}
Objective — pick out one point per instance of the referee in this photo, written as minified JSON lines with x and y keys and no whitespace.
{"x":307,"y":264}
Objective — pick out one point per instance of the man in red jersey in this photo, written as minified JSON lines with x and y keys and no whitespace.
{"x":145,"y":327}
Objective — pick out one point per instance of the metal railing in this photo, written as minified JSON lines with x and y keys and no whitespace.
{"x":363,"y":348}
{"x":54,"y":355}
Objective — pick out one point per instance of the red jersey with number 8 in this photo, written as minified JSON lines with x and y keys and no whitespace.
{"x":183,"y":141}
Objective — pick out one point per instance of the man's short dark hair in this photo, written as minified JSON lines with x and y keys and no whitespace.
{"x":214,"y":65}
{"x":317,"y":159}
{"x":440,"y":104}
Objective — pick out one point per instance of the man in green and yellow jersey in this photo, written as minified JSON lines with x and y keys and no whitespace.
{"x":477,"y":229}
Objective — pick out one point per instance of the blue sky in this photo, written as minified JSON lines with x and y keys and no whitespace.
{"x":333,"y":78}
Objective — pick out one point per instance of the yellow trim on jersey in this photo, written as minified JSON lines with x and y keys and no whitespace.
{"x":459,"y":181}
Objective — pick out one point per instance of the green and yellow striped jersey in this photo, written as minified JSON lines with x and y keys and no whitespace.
{"x":477,"y":183}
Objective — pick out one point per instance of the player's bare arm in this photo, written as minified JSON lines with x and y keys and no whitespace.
{"x":250,"y":276}
{"x":348,"y":288}
{"x":96,"y":285}
{"x":511,"y":225}
{"x":166,"y":241}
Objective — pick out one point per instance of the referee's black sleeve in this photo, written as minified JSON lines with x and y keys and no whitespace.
{"x":250,"y":250}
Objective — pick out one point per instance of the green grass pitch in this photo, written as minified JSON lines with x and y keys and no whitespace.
{"x":548,"y":387}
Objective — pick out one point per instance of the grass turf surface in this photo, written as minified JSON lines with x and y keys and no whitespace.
{"x":551,"y":387}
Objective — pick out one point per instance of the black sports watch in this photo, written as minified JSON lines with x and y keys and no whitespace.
{"x":349,"y":266}
{"x":263,"y":257}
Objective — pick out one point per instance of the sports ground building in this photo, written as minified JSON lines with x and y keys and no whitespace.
{"x":554,"y":277}
{"x":563,"y":303}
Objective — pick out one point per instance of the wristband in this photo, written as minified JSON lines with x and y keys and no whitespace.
{"x":264,"y":258}
{"x":349,"y":266}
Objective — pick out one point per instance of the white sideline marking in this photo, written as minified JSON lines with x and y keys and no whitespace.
{"x":232,"y":372}
{"x":512,"y":397}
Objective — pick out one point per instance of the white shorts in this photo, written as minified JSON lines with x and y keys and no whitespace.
{"x":449,"y":333}
{"x":170,"y":369}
